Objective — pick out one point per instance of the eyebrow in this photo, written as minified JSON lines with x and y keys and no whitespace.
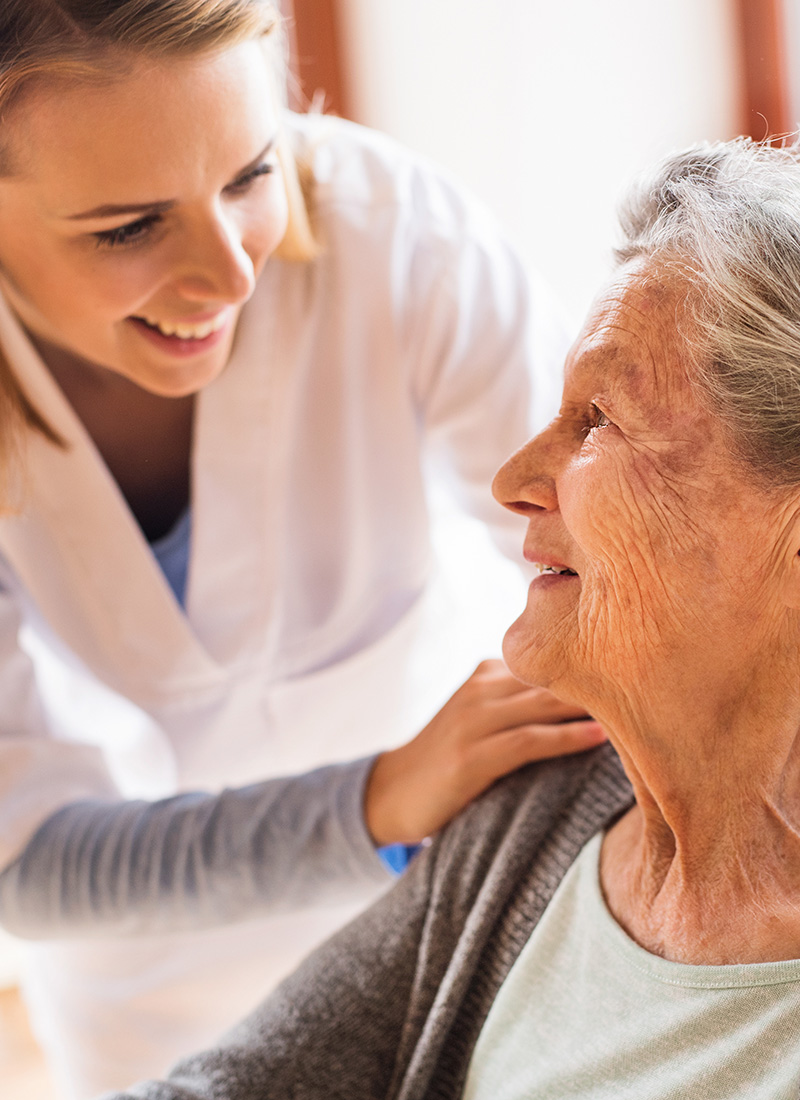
{"x":116,"y":210}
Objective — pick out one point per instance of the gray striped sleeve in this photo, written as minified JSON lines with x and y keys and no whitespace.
{"x":195,"y":860}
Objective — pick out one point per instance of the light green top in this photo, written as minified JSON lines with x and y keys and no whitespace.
{"x":587,"y":1014}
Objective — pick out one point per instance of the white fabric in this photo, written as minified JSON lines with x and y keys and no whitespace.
{"x":314,"y":630}
{"x":587,"y":1014}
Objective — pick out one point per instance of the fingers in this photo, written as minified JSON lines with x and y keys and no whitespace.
{"x":415,"y":789}
{"x":493,"y":725}
{"x":491,"y":681}
{"x":511,"y":749}
{"x":529,"y":708}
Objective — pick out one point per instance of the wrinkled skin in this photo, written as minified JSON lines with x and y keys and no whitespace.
{"x":634,"y":488}
{"x":680,"y":630}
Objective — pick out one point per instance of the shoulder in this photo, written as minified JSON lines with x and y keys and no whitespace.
{"x":565,"y":800}
{"x":549,"y":788}
{"x":360,"y":173}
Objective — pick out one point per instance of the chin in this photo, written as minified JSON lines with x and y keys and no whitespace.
{"x":179,"y":381}
{"x":524,"y":655}
{"x":540,"y":653}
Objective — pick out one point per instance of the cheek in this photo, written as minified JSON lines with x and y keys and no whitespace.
{"x":115,"y":285}
{"x":266,"y":225}
{"x":651,"y":544}
{"x":609,"y":510}
{"x":644,"y":508}
{"x":27,"y":261}
{"x":63,"y":284}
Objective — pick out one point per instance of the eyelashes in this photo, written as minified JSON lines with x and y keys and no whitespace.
{"x":126,"y":234}
{"x":595,"y":419}
{"x":599,"y":417}
{"x":133,"y":233}
{"x":266,"y":168}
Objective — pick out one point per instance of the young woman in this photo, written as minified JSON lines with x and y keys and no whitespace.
{"x":229,"y":337}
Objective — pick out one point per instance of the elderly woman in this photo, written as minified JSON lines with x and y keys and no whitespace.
{"x":624,"y":924}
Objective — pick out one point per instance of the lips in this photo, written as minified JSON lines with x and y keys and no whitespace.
{"x":176,"y":345}
{"x":546,"y":564}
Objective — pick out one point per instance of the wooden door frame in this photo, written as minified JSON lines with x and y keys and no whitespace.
{"x":764,"y":69}
{"x":320,"y":69}
{"x":317,"y":62}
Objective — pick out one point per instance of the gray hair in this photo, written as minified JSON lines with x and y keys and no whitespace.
{"x":725,"y":218}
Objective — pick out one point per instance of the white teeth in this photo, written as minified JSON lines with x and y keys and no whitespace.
{"x":189,"y":332}
{"x":552,"y":570}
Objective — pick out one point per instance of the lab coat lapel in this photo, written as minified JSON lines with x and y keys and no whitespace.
{"x":83,"y":560}
{"x":241,"y":425}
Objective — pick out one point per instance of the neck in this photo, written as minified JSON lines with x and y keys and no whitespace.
{"x":705,"y":868}
{"x":74,"y":374}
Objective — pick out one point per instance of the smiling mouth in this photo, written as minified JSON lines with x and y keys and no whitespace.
{"x":551,"y":570}
{"x":201,"y":330}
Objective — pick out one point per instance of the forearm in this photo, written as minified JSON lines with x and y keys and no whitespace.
{"x":195,"y":860}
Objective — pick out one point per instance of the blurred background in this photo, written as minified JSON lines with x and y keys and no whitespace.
{"x":547,"y":111}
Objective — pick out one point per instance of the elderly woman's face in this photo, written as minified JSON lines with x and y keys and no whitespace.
{"x":657,"y":552}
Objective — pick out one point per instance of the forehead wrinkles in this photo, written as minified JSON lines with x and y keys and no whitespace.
{"x":633,"y":340}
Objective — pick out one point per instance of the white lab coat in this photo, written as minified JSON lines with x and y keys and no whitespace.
{"x":313,"y":629}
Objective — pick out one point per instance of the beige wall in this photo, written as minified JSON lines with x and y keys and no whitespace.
{"x":546,"y":108}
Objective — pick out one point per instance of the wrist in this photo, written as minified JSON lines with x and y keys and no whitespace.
{"x":384,"y":802}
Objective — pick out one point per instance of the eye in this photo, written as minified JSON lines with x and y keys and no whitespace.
{"x":598,"y":417}
{"x":129,"y":234}
{"x":595,"y":418}
{"x":266,"y":168}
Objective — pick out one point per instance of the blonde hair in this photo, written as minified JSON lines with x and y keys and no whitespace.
{"x":87,"y":40}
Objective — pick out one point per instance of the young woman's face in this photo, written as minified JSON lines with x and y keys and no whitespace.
{"x":138,"y":214}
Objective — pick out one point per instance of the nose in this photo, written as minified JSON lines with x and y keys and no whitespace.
{"x":526,"y":482}
{"x":215,"y":265}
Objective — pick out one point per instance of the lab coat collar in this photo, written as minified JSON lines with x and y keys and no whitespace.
{"x":82,"y":559}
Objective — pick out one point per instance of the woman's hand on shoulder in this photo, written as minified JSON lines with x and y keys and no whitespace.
{"x":491,"y":726}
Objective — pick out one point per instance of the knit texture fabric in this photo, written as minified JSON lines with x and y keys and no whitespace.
{"x":391,"y":1007}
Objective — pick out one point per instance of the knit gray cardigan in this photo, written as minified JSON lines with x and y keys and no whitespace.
{"x":391,"y":1007}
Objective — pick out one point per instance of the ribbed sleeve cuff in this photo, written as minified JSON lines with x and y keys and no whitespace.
{"x":350,"y":801}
